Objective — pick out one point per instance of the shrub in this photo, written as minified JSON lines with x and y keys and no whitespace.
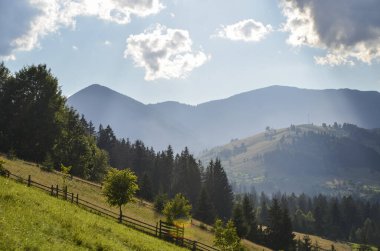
{"x":48,"y":164}
{"x":226,"y":237}
{"x":160,"y":201}
{"x":177,"y":208}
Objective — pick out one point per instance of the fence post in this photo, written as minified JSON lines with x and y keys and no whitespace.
{"x":29,"y":180}
{"x":77,"y":199}
{"x":176,"y":239}
{"x":194,"y":246}
{"x":57,"y":191}
{"x":72,"y":197}
{"x":52,"y":190}
{"x":65,"y":191}
{"x":160,"y":229}
{"x":8,"y":174}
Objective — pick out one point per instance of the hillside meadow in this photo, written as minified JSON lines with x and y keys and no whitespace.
{"x":92,"y":192}
{"x":33,"y":220}
{"x":139,"y":209}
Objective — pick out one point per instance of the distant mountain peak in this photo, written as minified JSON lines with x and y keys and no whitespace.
{"x":101,"y":92}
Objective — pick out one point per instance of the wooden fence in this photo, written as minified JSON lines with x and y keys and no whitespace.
{"x":161,"y":230}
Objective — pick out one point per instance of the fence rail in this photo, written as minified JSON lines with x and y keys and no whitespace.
{"x":161,"y":230}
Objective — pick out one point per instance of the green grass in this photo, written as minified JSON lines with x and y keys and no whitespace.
{"x":40,"y":227}
{"x":139,"y":210}
{"x":33,"y":220}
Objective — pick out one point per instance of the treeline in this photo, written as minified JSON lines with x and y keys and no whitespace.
{"x":164,"y":174}
{"x":335,"y":218}
{"x":37,"y":125}
{"x":271,"y":227}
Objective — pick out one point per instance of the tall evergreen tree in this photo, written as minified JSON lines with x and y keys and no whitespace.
{"x":145,"y":186}
{"x":204,"y":210}
{"x":249,"y":216}
{"x":219,"y":189}
{"x":334,"y":220}
{"x":238,"y":219}
{"x":273,"y":231}
{"x":287,"y":236}
{"x":106,"y":138}
{"x":264,"y":214}
{"x":186,"y":176}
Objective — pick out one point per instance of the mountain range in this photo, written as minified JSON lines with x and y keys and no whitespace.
{"x":217,"y":122}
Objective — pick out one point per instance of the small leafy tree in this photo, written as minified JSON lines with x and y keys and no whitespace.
{"x":66,"y":173}
{"x":177,"y":208}
{"x":226,"y":237}
{"x":119,"y":187}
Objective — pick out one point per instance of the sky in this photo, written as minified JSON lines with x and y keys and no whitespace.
{"x":193,"y":51}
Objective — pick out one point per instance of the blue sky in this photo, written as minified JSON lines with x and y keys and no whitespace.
{"x":193,"y":51}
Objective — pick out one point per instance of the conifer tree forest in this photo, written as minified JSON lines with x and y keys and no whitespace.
{"x":36,"y":125}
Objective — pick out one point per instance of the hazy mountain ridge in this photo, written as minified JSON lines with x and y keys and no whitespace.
{"x":217,"y":122}
{"x":305,"y":158}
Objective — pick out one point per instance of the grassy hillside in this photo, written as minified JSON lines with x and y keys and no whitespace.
{"x":92,"y":192}
{"x":304,"y":158}
{"x":33,"y":220}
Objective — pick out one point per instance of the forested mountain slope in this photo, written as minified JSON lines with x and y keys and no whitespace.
{"x":306,"y":158}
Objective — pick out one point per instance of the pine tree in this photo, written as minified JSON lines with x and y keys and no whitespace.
{"x":186,"y":176}
{"x":287,"y":235}
{"x":219,"y":189}
{"x":318,"y":223}
{"x":226,"y":238}
{"x":106,"y":138}
{"x":264,"y":214}
{"x":145,"y":188}
{"x":249,"y":219}
{"x":273,"y":231}
{"x":334,"y":220}
{"x":238,"y":219}
{"x":204,"y":210}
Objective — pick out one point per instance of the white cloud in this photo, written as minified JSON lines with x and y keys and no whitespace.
{"x":349,"y":30}
{"x":107,"y":43}
{"x":33,"y":19}
{"x":247,"y":30}
{"x":164,"y":53}
{"x":75,"y":48}
{"x":15,"y":17}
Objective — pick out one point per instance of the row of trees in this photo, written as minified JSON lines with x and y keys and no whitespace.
{"x":37,"y":125}
{"x":276,"y":234}
{"x":165,"y":174}
{"x":337,"y":218}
